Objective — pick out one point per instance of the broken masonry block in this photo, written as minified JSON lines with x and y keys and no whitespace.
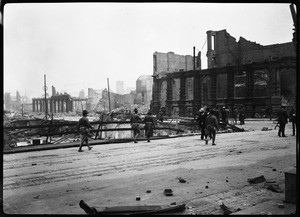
{"x":174,"y":203}
{"x":138,"y":198}
{"x":280,"y":205}
{"x":181,"y":180}
{"x":274,"y":188}
{"x":274,"y":169}
{"x":168,"y":192}
{"x":206,"y":186}
{"x":256,"y":180}
{"x":148,"y":191}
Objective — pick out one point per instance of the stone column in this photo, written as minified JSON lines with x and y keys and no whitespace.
{"x":197,"y":93}
{"x":182,"y":95}
{"x":169,"y":97}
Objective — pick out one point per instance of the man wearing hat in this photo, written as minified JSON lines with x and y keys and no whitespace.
{"x":211,"y":126}
{"x":149,"y":125}
{"x":135,"y":119}
{"x":84,"y":127}
{"x":201,"y":122}
{"x":282,"y":121}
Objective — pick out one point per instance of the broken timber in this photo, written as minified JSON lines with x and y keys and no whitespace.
{"x":131,"y":210}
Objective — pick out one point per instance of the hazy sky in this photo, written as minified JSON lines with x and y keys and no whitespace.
{"x":80,"y":45}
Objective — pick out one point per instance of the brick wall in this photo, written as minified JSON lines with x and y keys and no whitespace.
{"x":227,"y":51}
{"x":171,"y":62}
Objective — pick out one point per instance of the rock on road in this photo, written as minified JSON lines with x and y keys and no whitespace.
{"x":54,"y":181}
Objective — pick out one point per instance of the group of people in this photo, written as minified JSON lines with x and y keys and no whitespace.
{"x":283,"y":118}
{"x":208,"y":124}
{"x":84,"y":127}
{"x":207,"y":120}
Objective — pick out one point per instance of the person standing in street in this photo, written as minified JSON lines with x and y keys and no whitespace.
{"x":242,"y":115}
{"x":235,"y":114}
{"x":84,"y":127}
{"x":211,"y":126}
{"x":293,"y":119}
{"x":149,"y":125}
{"x":201,"y":122}
{"x":135,"y":119}
{"x":282,"y":121}
{"x":224,"y":115}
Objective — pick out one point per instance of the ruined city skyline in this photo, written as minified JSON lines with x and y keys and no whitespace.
{"x":84,"y":44}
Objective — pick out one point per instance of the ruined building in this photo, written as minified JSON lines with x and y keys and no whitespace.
{"x":239,"y":73}
{"x":144,"y":90}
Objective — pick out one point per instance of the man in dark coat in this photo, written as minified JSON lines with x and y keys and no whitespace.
{"x":211,"y":126}
{"x":224,"y":115}
{"x":135,"y":119}
{"x":282,"y":121}
{"x":84,"y":127}
{"x":201,"y":122}
{"x":149,"y":125}
{"x":293,"y":119}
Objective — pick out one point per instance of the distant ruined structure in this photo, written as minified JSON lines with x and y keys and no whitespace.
{"x":239,"y":73}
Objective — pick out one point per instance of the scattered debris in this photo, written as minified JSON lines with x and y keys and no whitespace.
{"x":148,"y":191}
{"x":226,"y":180}
{"x":280,"y":205}
{"x":33,"y":164}
{"x":168,"y":192}
{"x":274,"y":188}
{"x":174,"y":203}
{"x":257,"y":179}
{"x":132,"y":210}
{"x":227,"y":210}
{"x":253,"y":204}
{"x":274,"y":169}
{"x":181,"y":180}
{"x":36,"y":197}
{"x":137,"y":198}
{"x":206,"y":186}
{"x":265,"y":129}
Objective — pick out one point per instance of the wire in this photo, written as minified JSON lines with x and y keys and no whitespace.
{"x":204,"y":44}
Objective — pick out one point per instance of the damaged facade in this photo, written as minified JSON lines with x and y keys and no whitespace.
{"x":238,"y":73}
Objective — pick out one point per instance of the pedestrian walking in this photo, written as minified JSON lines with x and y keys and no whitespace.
{"x":201,"y":122}
{"x":282,"y":121}
{"x":293,"y":119}
{"x":135,"y":119}
{"x":211,"y":126}
{"x":149,"y":125}
{"x":83,"y":128}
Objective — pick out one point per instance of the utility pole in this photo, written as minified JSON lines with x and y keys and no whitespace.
{"x":46,"y":104}
{"x":108,"y":95}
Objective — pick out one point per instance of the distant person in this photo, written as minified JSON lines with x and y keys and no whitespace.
{"x":242,"y":115}
{"x":211,"y":126}
{"x":224,"y":115}
{"x":84,"y":127}
{"x":161,"y":115}
{"x":269,"y":112}
{"x":282,"y":121}
{"x":201,"y":122}
{"x":149,"y":125}
{"x":235,"y":114}
{"x":135,"y":119}
{"x":293,"y":119}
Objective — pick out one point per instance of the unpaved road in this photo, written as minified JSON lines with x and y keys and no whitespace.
{"x":54,"y":181}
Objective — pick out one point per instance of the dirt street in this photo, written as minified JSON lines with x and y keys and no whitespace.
{"x":54,"y":181}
